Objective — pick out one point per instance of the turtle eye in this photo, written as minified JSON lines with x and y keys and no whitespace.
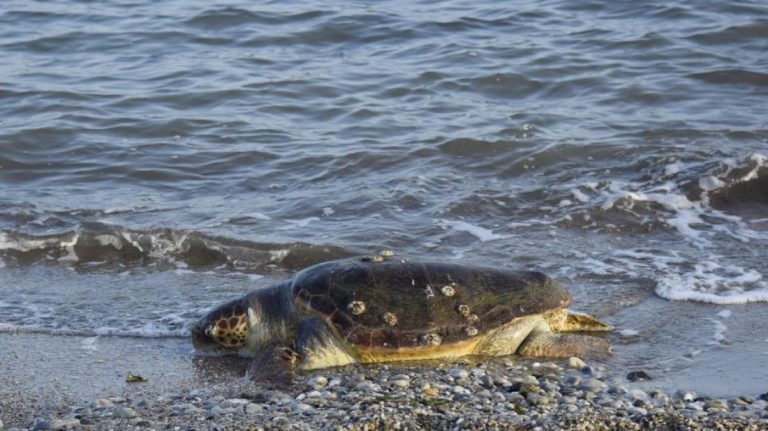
{"x":209,"y":331}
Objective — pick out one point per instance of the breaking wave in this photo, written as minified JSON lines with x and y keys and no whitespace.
{"x":97,"y":243}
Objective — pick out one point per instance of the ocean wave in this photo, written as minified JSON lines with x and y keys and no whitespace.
{"x":113,"y":244}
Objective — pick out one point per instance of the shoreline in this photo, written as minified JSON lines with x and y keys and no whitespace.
{"x":79,"y":383}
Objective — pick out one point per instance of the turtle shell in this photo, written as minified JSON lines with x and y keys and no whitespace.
{"x":397,"y":304}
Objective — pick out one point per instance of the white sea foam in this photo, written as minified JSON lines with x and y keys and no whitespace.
{"x":725,"y":313}
{"x":89,"y":344}
{"x":478,"y":232}
{"x":720,"y":329}
{"x":579,"y":195}
{"x":714,"y":283}
{"x":628,"y":332}
{"x":258,"y":216}
{"x":150,"y":330}
{"x":301,"y":223}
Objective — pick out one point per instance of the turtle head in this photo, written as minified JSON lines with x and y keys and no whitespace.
{"x":224,"y":327}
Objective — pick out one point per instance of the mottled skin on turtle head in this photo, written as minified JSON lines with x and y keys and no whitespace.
{"x":247,"y":324}
{"x":225,"y":326}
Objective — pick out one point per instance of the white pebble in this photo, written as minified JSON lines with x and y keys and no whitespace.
{"x":400,"y":383}
{"x":317,"y":382}
{"x":458,"y":373}
{"x":576,"y":363}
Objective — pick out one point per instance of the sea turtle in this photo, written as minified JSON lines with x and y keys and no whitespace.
{"x":380,"y":309}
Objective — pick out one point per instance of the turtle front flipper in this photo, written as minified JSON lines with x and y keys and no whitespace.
{"x":274,"y":366}
{"x":319,"y":347}
{"x":553,"y":345}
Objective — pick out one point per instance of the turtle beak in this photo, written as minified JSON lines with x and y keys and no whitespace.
{"x":204,"y":333}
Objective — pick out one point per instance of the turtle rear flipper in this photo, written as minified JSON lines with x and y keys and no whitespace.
{"x":275,"y":367}
{"x":554,"y":345}
{"x":575,"y":321}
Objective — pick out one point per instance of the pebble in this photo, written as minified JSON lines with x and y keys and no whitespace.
{"x":429,"y":392}
{"x":56,"y":424}
{"x":367,"y":386}
{"x":234,"y":403}
{"x":317,"y":382}
{"x":124,"y":412}
{"x":541,"y":398}
{"x":401,"y":383}
{"x":685,"y":395}
{"x":576,"y":363}
{"x":252,"y":409}
{"x":716,"y":404}
{"x":458,"y":373}
{"x":637,"y":395}
{"x":635,"y":376}
{"x":591,"y":384}
{"x":103,"y":403}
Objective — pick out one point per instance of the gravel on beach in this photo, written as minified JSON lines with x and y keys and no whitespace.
{"x":567,"y":395}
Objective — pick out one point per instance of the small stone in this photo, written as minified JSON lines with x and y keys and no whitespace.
{"x":576,"y":363}
{"x":502,"y":381}
{"x":314,"y":394}
{"x":635,"y":376}
{"x":400,"y":383}
{"x":716,"y":404}
{"x":637,"y":395}
{"x":334,"y":382}
{"x":367,"y":386}
{"x":591,"y":385}
{"x":460,"y":391}
{"x":429,"y":392}
{"x":528,"y":379}
{"x":59,"y":424}
{"x":103,"y":403}
{"x":234,"y":403}
{"x":763,"y":397}
{"x":124,"y":412}
{"x":687,"y":396}
{"x":487,"y":381}
{"x":253,"y":409}
{"x":317,"y":382}
{"x":458,"y":373}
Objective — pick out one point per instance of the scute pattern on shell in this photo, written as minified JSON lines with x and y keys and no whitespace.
{"x":492,"y":298}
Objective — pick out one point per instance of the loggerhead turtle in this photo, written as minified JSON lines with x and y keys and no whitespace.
{"x":380,"y":309}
